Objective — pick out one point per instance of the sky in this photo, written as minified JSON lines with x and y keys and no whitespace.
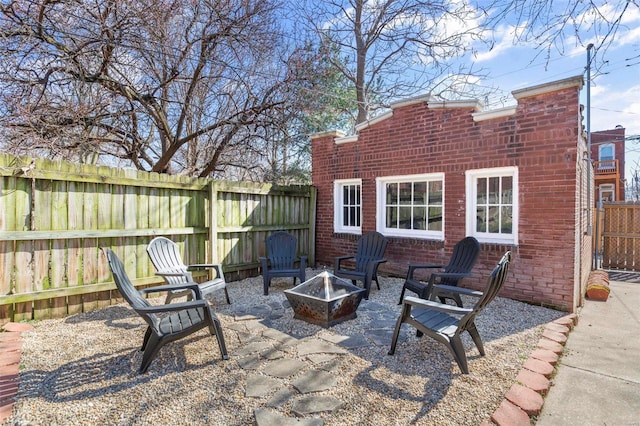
{"x":615,"y":76}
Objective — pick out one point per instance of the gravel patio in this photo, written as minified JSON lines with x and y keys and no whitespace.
{"x":82,"y":370}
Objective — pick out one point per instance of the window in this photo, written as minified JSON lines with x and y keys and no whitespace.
{"x":347,"y":201}
{"x":411,"y":206}
{"x":606,"y":157}
{"x":492,"y":205}
{"x":606,"y":152}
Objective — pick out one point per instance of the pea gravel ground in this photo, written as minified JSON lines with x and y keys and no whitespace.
{"x":82,"y":370}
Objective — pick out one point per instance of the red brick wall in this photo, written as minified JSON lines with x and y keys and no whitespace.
{"x":541,"y":139}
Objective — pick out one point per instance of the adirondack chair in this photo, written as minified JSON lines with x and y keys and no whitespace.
{"x":281,"y":259}
{"x":446,"y":323}
{"x":166,"y":258}
{"x":369,"y":255}
{"x":464,"y":256}
{"x":168,"y":322}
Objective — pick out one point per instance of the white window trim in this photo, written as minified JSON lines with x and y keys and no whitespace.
{"x":337,"y":207}
{"x":380,"y":206}
{"x":485,"y":237}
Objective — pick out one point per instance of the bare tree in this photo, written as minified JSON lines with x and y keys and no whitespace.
{"x":177,"y":86}
{"x":561,"y":25}
{"x":392,"y":49}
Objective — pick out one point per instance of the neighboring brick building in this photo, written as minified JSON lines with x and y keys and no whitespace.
{"x":426,"y":174}
{"x":607,"y":153}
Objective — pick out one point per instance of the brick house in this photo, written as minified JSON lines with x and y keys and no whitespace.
{"x":427,"y":173}
{"x":607,"y":153}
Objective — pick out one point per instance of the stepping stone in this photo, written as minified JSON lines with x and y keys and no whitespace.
{"x":239,"y":327}
{"x":380,"y":336}
{"x":318,"y":347}
{"x":349,"y":342}
{"x":283,"y":368}
{"x":320,"y":358}
{"x":280,"y":398}
{"x":314,"y":381}
{"x":316,"y":404}
{"x":268,"y":418}
{"x":284,"y":339}
{"x":254,"y":347}
{"x":274,"y":354}
{"x":372,"y":306}
{"x":251,"y":362}
{"x":260,"y":311}
{"x":259,"y":385}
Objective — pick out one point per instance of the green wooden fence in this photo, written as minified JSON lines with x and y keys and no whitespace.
{"x":55,"y":217}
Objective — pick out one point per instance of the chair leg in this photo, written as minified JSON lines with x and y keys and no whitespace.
{"x":216,"y":330}
{"x":153,"y":346}
{"x":226,"y":294}
{"x":145,"y":341}
{"x":473,"y":331}
{"x":266,"y":282}
{"x":401,"y":295}
{"x":406,"y":311}
{"x":457,"y":349}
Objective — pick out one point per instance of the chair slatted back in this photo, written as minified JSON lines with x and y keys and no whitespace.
{"x":464,"y":256}
{"x":282,"y":249}
{"x":494,"y":285}
{"x":165,"y":256}
{"x":127,"y":289}
{"x":371,"y":246}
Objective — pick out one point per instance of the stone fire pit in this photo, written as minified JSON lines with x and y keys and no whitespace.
{"x":325,"y":300}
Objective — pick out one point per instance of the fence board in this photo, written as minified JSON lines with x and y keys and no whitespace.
{"x":621,"y":236}
{"x":55,"y":217}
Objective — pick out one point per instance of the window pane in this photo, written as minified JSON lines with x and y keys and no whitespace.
{"x":405,"y":193}
{"x":420,"y":193}
{"x":345,"y":195}
{"x":435,"y":219}
{"x":404,"y":218}
{"x":481,"y":219}
{"x":493,"y":220}
{"x":507,"y":220}
{"x":481,"y":190}
{"x":392,"y":217}
{"x":357,"y":218}
{"x":420,"y":218}
{"x":392,"y":193}
{"x":494,"y":190}
{"x":507,"y":190}
{"x":345,"y":216}
{"x":357,"y":200}
{"x":435,"y":192}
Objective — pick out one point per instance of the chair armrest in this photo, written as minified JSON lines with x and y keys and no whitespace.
{"x":458,"y":275}
{"x":170,"y":307}
{"x":174,"y":273}
{"x":457,"y":290}
{"x":339,"y":259}
{"x":412,"y":268}
{"x":187,"y":286}
{"x":216,"y":266}
{"x":372,"y":266}
{"x":435,"y":306}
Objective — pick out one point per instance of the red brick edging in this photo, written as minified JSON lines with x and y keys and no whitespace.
{"x":10,"y":348}
{"x":526,"y":397}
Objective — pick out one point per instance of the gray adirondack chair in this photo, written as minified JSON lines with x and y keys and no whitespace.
{"x":464,"y":256}
{"x":281,"y":259}
{"x":369,"y":255}
{"x":168,"y":322}
{"x":166,"y":258}
{"x":446,"y":323}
